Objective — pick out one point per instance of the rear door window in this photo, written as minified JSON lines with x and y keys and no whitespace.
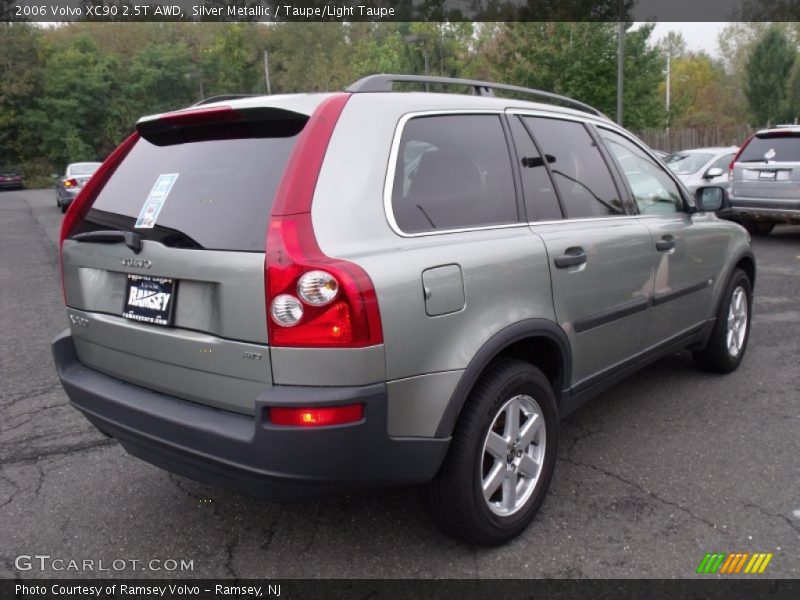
{"x":541,"y":202}
{"x":221,"y":197}
{"x":453,"y":172}
{"x":776,"y":147}
{"x":579,"y":170}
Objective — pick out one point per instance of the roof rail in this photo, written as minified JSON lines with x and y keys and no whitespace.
{"x":221,"y":98}
{"x":385,"y":83}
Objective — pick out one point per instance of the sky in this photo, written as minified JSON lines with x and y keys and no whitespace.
{"x":698,"y":36}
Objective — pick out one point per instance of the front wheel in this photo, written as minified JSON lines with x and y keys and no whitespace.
{"x":728,"y":341}
{"x":501,"y":459}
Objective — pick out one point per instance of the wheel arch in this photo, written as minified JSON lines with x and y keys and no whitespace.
{"x":538,"y":341}
{"x":747,"y":263}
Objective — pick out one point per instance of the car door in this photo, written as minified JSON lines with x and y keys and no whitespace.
{"x":600,"y":255}
{"x":688,"y":251}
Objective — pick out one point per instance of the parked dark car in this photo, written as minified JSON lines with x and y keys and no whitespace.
{"x":68,"y":186}
{"x":10,"y":179}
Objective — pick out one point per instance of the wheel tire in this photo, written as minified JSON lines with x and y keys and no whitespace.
{"x":455,"y":497}
{"x":758,"y":227}
{"x":719,"y":355}
{"x":64,"y":208}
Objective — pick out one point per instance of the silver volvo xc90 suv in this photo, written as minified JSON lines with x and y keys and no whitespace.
{"x":303,"y":294}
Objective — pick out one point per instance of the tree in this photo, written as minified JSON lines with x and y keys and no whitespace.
{"x":71,"y":120}
{"x":20,"y":81}
{"x":768,"y":68}
{"x":578,"y":60}
{"x":673,"y":44}
{"x":699,"y":95}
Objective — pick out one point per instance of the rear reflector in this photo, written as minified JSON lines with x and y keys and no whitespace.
{"x":316,"y":417}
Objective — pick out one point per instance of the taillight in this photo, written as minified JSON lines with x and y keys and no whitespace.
{"x":313,"y":300}
{"x":84,"y":200}
{"x":316,"y":417}
{"x":70,"y":183}
{"x":735,"y":158}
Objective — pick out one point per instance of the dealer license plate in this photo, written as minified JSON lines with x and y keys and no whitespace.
{"x":150,"y":299}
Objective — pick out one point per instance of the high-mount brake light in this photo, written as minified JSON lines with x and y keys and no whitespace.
{"x":216,"y":114}
{"x":337,"y":298}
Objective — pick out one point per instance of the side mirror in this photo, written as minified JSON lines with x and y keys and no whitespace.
{"x":710,"y":199}
{"x":713,"y":172}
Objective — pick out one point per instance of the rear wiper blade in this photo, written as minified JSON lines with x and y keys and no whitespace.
{"x":112,"y":236}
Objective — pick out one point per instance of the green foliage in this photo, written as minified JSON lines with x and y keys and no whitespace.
{"x":20,"y":80}
{"x":579,"y":60}
{"x":73,"y":91}
{"x":767,"y":72}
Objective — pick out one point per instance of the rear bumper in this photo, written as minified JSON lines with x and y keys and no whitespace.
{"x":784,"y":211}
{"x":247,"y":453}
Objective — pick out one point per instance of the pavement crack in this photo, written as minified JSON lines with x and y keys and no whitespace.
{"x":31,"y":394}
{"x":230,"y":548}
{"x":28,"y":456}
{"x":647,"y":492}
{"x":270,"y":532}
{"x":582,"y":434}
{"x":16,"y":490}
{"x":26,"y":417}
{"x":773,"y":515}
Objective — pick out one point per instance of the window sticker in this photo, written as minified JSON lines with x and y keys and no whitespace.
{"x":155,"y":201}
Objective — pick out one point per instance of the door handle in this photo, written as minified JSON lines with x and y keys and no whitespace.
{"x":665,"y":243}
{"x":571,"y":257}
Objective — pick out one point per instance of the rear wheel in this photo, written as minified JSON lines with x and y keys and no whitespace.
{"x":758,"y":227}
{"x":501,"y":459}
{"x":728,"y":340}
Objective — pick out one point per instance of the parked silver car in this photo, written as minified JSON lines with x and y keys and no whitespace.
{"x":70,"y":184}
{"x":702,"y":166}
{"x":765,"y":181}
{"x":303,"y":294}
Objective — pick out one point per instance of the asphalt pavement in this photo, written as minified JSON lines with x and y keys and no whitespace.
{"x":665,"y":467}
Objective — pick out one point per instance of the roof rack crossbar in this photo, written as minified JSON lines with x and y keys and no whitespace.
{"x":222,"y":98}
{"x":385,"y":83}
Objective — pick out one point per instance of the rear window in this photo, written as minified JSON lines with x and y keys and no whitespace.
{"x":215,"y":194}
{"x":781,"y":147}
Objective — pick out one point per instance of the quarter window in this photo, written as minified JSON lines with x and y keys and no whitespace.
{"x":580,"y":173}
{"x":453,"y":172}
{"x":655,"y":192}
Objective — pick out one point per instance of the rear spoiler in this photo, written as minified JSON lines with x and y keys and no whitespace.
{"x":220,"y":122}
